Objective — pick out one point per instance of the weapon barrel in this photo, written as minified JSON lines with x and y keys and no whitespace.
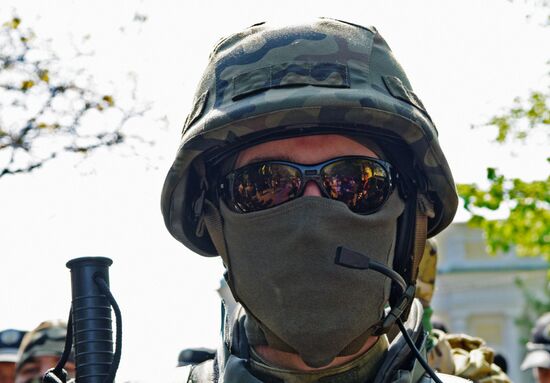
{"x":92,"y":324}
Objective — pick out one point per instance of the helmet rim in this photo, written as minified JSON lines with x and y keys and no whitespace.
{"x":209,"y":137}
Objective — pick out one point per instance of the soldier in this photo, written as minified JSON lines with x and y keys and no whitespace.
{"x":311,"y":167}
{"x":40,"y":350}
{"x":9,"y":344}
{"x":538,"y":350}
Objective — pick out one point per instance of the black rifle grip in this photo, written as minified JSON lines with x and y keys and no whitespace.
{"x":92,"y":324}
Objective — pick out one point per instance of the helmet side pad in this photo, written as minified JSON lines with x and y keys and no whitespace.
{"x":411,"y":182}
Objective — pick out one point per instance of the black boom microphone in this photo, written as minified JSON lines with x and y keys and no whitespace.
{"x":90,"y":324}
{"x":355,"y":260}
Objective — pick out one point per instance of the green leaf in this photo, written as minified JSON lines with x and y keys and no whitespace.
{"x":26,"y":85}
{"x":527,"y":226}
{"x":13,"y":23}
{"x":109,"y":100}
{"x":491,"y":174}
{"x":44,"y":75}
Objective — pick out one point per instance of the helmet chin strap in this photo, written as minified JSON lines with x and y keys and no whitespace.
{"x":424,"y":210}
{"x":403,"y":295}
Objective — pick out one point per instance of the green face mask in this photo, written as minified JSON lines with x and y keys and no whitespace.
{"x":281,"y":264}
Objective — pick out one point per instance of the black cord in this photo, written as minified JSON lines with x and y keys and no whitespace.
{"x":58,"y":374}
{"x":390,"y":273}
{"x":58,"y":370}
{"x":355,"y":260}
{"x":116,"y":358}
{"x":417,"y":354}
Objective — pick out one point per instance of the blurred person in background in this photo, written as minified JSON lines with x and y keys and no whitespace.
{"x":40,"y":350}
{"x":538,"y":350}
{"x":439,"y":324}
{"x":500,"y":360}
{"x":10,"y":340}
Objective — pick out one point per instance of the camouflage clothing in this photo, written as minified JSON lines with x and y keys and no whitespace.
{"x":427,"y":271}
{"x":455,"y":354}
{"x":465,"y":356}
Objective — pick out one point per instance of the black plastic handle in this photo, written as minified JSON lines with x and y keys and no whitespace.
{"x":92,"y":324}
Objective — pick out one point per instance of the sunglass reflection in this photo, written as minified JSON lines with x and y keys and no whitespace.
{"x":362,"y":183}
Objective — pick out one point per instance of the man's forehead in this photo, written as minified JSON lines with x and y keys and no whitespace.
{"x":305,"y":149}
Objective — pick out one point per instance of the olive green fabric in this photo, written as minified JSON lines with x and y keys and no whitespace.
{"x":282,"y":269}
{"x":232,"y":366}
{"x":322,"y":76}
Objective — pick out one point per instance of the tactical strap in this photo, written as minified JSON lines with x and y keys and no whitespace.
{"x":402,"y":305}
{"x":420,"y":236}
{"x":207,"y":214}
{"x":213,"y":221}
{"x":214,"y":224}
{"x":424,"y":209}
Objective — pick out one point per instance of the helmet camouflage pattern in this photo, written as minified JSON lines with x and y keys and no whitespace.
{"x":47,"y":339}
{"x":269,"y":82}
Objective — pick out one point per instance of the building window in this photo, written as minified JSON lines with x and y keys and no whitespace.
{"x":490,"y":327}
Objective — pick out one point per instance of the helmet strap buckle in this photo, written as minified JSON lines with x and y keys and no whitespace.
{"x":397,"y":311}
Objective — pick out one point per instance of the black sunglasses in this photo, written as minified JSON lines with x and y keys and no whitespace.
{"x":362,"y":183}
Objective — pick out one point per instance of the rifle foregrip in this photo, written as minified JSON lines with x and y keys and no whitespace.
{"x":92,"y":324}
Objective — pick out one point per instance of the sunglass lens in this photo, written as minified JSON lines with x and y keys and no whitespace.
{"x":361,"y":184}
{"x":265,"y":185}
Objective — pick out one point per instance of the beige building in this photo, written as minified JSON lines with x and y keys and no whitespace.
{"x":476,"y":293}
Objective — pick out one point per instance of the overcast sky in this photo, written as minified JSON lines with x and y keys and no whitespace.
{"x":466,"y":59}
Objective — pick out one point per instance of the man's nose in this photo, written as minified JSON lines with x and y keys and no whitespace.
{"x":312,"y":189}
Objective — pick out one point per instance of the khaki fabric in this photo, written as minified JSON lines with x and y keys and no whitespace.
{"x":465,"y":356}
{"x":425,"y":282}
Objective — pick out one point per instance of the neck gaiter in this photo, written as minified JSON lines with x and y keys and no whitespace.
{"x":282,"y":268}
{"x":360,"y":370}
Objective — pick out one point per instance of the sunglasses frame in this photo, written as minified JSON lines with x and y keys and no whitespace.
{"x":307,"y":173}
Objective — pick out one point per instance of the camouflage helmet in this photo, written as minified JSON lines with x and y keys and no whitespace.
{"x":47,"y":339}
{"x":269,"y":82}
